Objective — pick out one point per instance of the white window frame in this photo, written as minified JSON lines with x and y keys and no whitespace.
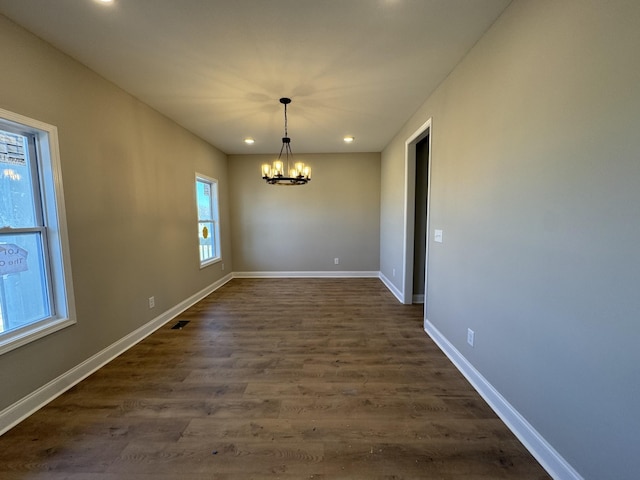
{"x":57,"y":243}
{"x":215,"y":210}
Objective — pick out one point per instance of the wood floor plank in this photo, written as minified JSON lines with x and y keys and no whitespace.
{"x":342,"y":383}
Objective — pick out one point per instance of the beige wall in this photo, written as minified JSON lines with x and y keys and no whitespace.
{"x":535,"y":183}
{"x":128,"y":176}
{"x":303,"y":228}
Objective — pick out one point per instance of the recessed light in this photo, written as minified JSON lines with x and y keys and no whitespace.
{"x":349,"y":139}
{"x":249,"y":141}
{"x":104,"y":1}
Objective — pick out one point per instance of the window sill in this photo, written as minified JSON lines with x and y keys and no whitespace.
{"x":210,"y":262}
{"x":31,"y":333}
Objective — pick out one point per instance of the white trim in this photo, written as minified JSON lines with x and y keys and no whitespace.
{"x":59,"y":263}
{"x":546,"y":455}
{"x":392,"y":288}
{"x":409,"y":207}
{"x":322,"y":274}
{"x":215,"y":218}
{"x":30,"y":333}
{"x":14,"y":414}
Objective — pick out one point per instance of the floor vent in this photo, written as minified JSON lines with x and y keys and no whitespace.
{"x":180,"y":325}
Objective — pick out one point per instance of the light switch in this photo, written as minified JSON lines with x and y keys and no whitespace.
{"x":437,"y":236}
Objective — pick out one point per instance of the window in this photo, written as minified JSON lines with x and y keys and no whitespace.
{"x":208,"y":220}
{"x":36,"y":295}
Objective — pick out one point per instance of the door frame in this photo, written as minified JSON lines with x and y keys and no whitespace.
{"x":426,"y":129}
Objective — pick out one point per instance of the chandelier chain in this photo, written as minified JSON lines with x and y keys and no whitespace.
{"x":286,"y":132}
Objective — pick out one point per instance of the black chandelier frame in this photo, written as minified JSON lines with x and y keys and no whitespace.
{"x":281,"y":178}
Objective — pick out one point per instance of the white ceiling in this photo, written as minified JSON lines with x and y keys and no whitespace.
{"x":218,"y":67}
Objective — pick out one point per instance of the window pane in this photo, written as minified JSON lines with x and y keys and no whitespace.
{"x":207,"y":240}
{"x":36,"y":292}
{"x":208,"y":225}
{"x":204,"y":200}
{"x":23,"y":292}
{"x":17,"y":208}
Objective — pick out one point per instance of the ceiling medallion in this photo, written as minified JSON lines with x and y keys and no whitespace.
{"x":298,"y":174}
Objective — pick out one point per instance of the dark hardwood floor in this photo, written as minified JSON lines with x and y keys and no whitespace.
{"x":274,"y":379}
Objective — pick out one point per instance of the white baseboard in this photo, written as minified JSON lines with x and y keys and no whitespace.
{"x":322,"y":274}
{"x":14,"y":414}
{"x":392,"y":288}
{"x":418,"y":298}
{"x":546,"y":455}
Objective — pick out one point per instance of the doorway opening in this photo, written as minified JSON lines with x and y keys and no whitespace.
{"x":417,"y":200}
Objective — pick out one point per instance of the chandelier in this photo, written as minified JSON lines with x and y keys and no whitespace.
{"x":281,"y":172}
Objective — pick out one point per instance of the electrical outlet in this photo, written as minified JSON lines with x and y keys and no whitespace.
{"x":222,"y":267}
{"x":152,"y":302}
{"x":336,"y":261}
{"x":393,"y":272}
{"x":470,"y":336}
